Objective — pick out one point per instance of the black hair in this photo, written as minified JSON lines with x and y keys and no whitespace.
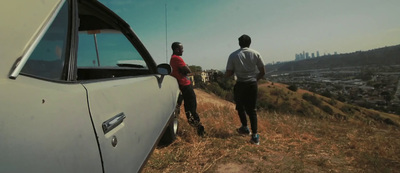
{"x":175,"y":45}
{"x":244,"y":41}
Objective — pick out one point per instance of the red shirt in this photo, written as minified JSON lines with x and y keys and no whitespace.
{"x":177,"y":63}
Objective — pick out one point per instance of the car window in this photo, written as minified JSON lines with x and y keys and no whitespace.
{"x":48,"y":57}
{"x":107,"y":49}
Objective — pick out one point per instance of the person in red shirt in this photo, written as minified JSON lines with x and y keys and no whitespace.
{"x":180,"y":71}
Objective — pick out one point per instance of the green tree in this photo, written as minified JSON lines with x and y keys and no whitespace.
{"x":195,"y":69}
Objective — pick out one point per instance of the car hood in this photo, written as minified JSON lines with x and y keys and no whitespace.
{"x":21,"y":23}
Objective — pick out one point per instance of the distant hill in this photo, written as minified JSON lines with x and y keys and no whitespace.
{"x":377,"y":57}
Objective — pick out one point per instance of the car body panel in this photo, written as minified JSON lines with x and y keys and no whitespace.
{"x":134,"y":98}
{"x":40,"y":135}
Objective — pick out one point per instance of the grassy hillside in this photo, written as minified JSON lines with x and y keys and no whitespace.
{"x":297,"y":136}
{"x":277,"y":97}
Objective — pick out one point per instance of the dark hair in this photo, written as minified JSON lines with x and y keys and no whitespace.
{"x":175,"y":45}
{"x":244,"y":41}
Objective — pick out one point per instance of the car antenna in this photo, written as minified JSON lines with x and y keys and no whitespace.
{"x":166,"y":33}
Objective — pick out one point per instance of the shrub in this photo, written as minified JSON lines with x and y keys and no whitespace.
{"x":348,"y":109}
{"x":306,"y":110}
{"x":312,"y":99}
{"x":286,"y":107}
{"x":332,"y":102}
{"x":327,"y":93}
{"x":327,"y":109}
{"x":264,"y":100}
{"x":277,"y":92}
{"x":292,"y":88}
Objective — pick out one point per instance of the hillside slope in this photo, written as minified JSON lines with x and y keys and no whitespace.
{"x":277,"y":97}
{"x":289,"y":143}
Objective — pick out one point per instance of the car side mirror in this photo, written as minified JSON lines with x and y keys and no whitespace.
{"x":164,"y":69}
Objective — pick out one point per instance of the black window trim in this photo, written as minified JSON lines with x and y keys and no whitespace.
{"x":71,"y":61}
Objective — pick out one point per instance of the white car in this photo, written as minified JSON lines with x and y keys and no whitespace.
{"x":79,"y":91}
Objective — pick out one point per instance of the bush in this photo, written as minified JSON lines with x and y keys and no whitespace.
{"x":215,"y":88}
{"x":327,"y":109}
{"x":277,"y":92}
{"x":348,"y":109}
{"x":327,"y":93}
{"x":286,"y":107}
{"x":332,"y":102}
{"x":292,"y":88}
{"x":312,"y":99}
{"x":306,"y":109}
{"x":264,"y":100}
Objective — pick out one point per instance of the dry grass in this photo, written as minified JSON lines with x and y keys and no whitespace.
{"x":289,"y":143}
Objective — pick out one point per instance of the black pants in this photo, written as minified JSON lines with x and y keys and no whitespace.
{"x":245,"y":95}
{"x":190,"y":104}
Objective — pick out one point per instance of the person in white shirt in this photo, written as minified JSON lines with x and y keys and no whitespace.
{"x":248,"y":66}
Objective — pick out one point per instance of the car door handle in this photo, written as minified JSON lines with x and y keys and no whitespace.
{"x":113,"y":122}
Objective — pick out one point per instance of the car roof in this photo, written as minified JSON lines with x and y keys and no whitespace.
{"x":21,"y":22}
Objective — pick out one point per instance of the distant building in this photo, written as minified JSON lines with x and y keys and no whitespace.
{"x":204,"y":77}
{"x":191,"y":78}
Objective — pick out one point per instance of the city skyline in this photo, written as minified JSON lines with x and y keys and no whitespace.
{"x":209,"y":29}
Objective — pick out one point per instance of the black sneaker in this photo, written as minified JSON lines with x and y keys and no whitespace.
{"x":200,"y":130}
{"x":244,"y":130}
{"x":255,"y":139}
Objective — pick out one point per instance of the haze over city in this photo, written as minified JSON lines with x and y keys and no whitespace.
{"x":209,"y":29}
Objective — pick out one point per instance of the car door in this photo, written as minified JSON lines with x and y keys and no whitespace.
{"x":129,"y":103}
{"x":129,"y":116}
{"x":45,"y":125}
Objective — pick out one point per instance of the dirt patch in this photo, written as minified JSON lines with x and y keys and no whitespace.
{"x":231,"y":168}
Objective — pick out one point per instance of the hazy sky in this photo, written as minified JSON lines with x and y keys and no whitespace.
{"x":209,"y":29}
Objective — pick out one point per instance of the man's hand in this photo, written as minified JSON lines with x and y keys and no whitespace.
{"x":228,"y":73}
{"x":260,"y":76}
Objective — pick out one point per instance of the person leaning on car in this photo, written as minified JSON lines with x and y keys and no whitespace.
{"x":180,"y":71}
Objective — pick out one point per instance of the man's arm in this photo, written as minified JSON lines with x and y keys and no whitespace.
{"x":229,"y":65}
{"x":228,"y":73}
{"x":185,"y":70}
{"x":262,"y":73}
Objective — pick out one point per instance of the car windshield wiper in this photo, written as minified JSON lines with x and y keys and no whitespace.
{"x":131,"y":65}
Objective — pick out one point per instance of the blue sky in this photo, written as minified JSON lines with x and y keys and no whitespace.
{"x":208,"y":29}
